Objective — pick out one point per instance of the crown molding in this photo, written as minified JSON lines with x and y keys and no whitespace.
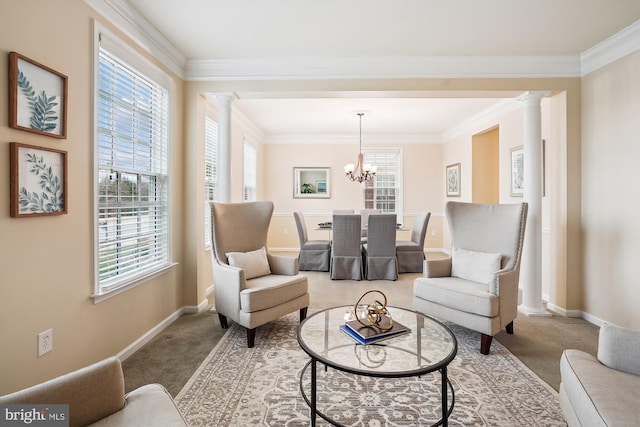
{"x":615,"y":47}
{"x":128,"y":20}
{"x":372,"y":140}
{"x":386,"y":67}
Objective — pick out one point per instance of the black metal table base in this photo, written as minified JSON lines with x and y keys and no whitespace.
{"x":312,"y":402}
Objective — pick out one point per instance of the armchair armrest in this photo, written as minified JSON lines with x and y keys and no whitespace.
{"x":92,"y":393}
{"x":438,"y":267}
{"x":506,"y":281}
{"x":618,"y":348}
{"x":285,"y":265}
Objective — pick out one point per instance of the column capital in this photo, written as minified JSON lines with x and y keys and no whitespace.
{"x":225,"y":98}
{"x":534,"y":95}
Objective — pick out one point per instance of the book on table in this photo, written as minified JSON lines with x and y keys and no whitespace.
{"x":370,"y":334}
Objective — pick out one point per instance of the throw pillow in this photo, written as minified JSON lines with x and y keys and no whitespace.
{"x":254,"y":263}
{"x":476,"y":266}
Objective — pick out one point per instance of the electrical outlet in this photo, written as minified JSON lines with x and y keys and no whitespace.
{"x":45,"y":342}
{"x":285,"y":231}
{"x":434,"y":233}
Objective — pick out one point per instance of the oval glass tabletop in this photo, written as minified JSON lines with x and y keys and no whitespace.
{"x":428,"y":346}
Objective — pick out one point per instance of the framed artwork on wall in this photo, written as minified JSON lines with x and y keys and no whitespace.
{"x":38,"y":182}
{"x":311,"y":183}
{"x":453,"y":180}
{"x":37,"y":97}
{"x":517,"y":171}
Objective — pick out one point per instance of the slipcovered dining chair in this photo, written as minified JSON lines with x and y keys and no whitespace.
{"x":315,"y":255}
{"x":477,"y":286}
{"x":410,"y":253}
{"x":364,"y":214}
{"x":379,"y":253}
{"x":346,"y":250}
{"x":252,"y":286}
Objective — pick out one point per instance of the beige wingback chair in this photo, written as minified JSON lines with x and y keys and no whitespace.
{"x":251,"y":286}
{"x":477,"y":286}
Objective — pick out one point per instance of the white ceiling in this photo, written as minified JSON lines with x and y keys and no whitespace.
{"x":233,"y":31}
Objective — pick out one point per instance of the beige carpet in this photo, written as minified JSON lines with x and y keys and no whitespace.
{"x":236,"y":386}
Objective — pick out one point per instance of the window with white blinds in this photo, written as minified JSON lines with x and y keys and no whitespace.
{"x":132,"y":170}
{"x":249,"y":171}
{"x":210,"y":173}
{"x":384,"y":192}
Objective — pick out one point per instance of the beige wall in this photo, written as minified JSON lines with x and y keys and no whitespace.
{"x":610,"y":192}
{"x":46,"y":263}
{"x":486,"y":167}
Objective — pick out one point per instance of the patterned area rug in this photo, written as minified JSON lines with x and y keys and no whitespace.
{"x":237,"y":386}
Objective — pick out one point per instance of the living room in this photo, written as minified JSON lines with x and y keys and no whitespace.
{"x":47,"y":263}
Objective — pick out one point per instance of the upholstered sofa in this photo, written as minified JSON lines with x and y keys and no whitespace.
{"x":603,"y":391}
{"x":95,"y":395}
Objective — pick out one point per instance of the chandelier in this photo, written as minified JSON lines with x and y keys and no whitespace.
{"x":360,"y":172}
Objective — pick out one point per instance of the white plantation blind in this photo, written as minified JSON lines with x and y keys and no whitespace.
{"x":210,"y":173}
{"x":132,"y":156}
{"x":249,"y":171}
{"x":385,"y":190}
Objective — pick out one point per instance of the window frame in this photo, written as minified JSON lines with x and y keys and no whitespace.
{"x":104,"y":289}
{"x":399,"y":210}
{"x":253,"y":175}
{"x":210,"y":118}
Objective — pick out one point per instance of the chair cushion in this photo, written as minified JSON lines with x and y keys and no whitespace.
{"x":459,"y":294}
{"x":476,"y":266}
{"x":271,"y":290}
{"x":254,"y":263}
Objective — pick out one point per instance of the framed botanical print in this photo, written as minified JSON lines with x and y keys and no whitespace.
{"x":38,"y":181}
{"x":452,"y":179}
{"x":37,"y":97}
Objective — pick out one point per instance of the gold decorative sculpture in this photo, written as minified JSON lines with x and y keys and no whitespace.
{"x":375,"y":312}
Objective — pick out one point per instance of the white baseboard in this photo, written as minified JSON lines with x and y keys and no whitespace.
{"x":577,"y":314}
{"x":194,"y":309}
{"x":592,"y":319}
{"x":209,"y":290}
{"x":147,"y":337}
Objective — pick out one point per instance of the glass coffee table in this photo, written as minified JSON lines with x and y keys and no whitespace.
{"x":429,"y":347}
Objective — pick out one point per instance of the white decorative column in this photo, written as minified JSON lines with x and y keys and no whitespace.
{"x":531,"y":269}
{"x":223,"y":189}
